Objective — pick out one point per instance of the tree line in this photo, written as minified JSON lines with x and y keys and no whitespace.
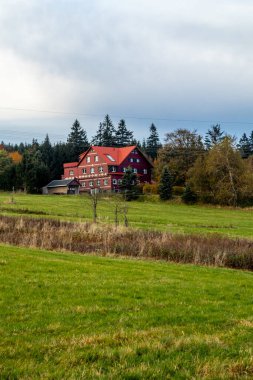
{"x":29,"y":167}
{"x":214,"y":169}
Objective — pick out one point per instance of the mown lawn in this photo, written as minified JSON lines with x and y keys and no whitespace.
{"x":149,"y":215}
{"x":66,"y":316}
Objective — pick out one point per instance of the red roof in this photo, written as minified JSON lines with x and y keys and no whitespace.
{"x":113,"y":156}
{"x":70,"y":164}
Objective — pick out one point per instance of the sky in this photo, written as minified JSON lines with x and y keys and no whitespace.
{"x":179,"y":64}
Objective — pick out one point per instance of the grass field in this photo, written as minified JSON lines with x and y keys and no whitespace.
{"x":65,"y":316}
{"x":148,"y":215}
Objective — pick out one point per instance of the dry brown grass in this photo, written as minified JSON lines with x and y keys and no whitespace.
{"x":209,"y":250}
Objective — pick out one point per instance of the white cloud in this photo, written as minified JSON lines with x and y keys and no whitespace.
{"x":184,"y":59}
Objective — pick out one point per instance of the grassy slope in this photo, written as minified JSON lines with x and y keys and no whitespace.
{"x":162,"y":216}
{"x":66,"y":316}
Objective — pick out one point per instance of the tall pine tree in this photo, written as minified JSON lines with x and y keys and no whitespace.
{"x":77,"y":140}
{"x":108,"y":137}
{"x":129,"y":185}
{"x":106,"y":134}
{"x":244,"y":146}
{"x":153,"y":143}
{"x":165,"y":185}
{"x":213,"y":136}
{"x":46,"y":150}
{"x":124,"y":137}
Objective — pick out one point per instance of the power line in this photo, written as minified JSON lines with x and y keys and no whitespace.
{"x":74,"y":114}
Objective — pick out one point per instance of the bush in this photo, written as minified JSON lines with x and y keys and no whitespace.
{"x":189,"y":197}
{"x":178,"y":190}
{"x":150,"y":188}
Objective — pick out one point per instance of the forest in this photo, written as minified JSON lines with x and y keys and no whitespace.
{"x":216,"y":168}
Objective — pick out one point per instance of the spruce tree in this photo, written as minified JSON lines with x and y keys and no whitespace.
{"x":213,"y":136}
{"x":244,"y":146}
{"x":144,"y":145}
{"x":108,"y":137}
{"x":97,"y":140}
{"x":165,"y":185}
{"x":124,"y":137}
{"x":105,"y":135}
{"x":188,"y":196}
{"x":153,"y":143}
{"x":129,"y":184}
{"x":251,"y":142}
{"x":77,"y":140}
{"x":46,"y":150}
{"x":33,"y":171}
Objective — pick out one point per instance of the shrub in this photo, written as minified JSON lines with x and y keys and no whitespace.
{"x":188,"y":196}
{"x":150,"y":188}
{"x":178,"y":190}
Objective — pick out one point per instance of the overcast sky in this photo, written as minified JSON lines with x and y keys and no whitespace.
{"x":184,"y":63}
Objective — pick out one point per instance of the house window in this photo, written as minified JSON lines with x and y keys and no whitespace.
{"x":138,"y":160}
{"x":113,"y":169}
{"x":145,"y":171}
{"x":92,"y":170}
{"x":124,"y":170}
{"x":119,"y":181}
{"x":88,"y":159}
{"x":135,"y":170}
{"x":105,"y":182}
{"x":131,"y":160}
{"x":98,"y":182}
{"x":71,"y":172}
{"x":114,"y":181}
{"x":134,"y":151}
{"x":91,"y":183}
{"x":83,"y":184}
{"x":96,"y":159}
{"x":110,"y":157}
{"x":84,"y":171}
{"x":100,"y":169}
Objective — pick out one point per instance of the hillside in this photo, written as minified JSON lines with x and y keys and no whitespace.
{"x":65,"y":316}
{"x":162,"y":216}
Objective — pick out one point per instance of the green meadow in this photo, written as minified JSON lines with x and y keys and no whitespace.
{"x":67,"y":316}
{"x":165,"y":216}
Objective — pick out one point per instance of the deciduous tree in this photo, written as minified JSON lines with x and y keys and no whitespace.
{"x":179,"y":153}
{"x":223,"y":175}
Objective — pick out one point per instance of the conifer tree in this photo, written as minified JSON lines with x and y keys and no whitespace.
{"x":144,"y":145}
{"x":47,"y":152}
{"x":165,"y":185}
{"x":129,"y":184}
{"x":244,"y":146}
{"x":124,"y":137}
{"x":213,"y":136}
{"x":97,"y":140}
{"x":153,"y":143}
{"x":108,"y":137}
{"x":105,"y":135}
{"x":188,"y":196}
{"x":77,"y":140}
{"x":33,"y":171}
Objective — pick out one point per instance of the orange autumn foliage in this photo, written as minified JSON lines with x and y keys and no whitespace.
{"x":16,"y":157}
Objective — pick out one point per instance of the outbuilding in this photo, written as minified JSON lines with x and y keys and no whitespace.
{"x":63,"y":186}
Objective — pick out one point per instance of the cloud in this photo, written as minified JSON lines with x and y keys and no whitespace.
{"x":184,"y":59}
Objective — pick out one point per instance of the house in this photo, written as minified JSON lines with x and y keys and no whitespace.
{"x":104,"y":167}
{"x":64,"y":186}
